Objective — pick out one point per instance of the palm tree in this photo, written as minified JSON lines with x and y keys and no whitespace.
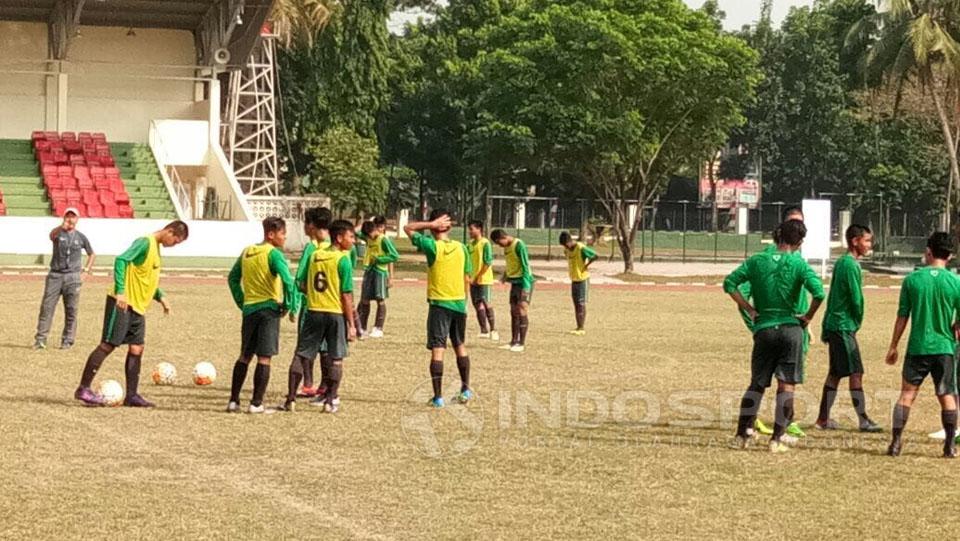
{"x":916,"y":40}
{"x":297,"y":22}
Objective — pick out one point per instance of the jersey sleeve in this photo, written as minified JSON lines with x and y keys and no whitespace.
{"x":345,"y":271}
{"x":467,"y":261}
{"x":86,"y":244}
{"x":303,"y":267}
{"x":853,"y":281}
{"x":279,"y":267}
{"x":903,"y":310}
{"x":391,"y":255}
{"x":426,"y":245}
{"x":233,"y":280}
{"x":524,"y":258}
{"x":487,"y":254}
{"x":136,"y":254}
{"x":588,"y":253}
{"x":739,"y":276}
{"x":812,"y":282}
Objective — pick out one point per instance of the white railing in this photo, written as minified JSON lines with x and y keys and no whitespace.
{"x":288,"y":208}
{"x":160,"y":155}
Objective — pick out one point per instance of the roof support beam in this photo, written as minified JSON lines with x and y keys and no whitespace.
{"x":63,"y":26}
{"x":216,"y":29}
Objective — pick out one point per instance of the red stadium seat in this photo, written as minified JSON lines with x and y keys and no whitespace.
{"x":126,"y":211}
{"x":68,"y":183}
{"x":81,"y":171}
{"x":106,"y":197}
{"x":51,"y":136}
{"x":72,"y":147}
{"x":122,"y":198}
{"x":73,"y":195}
{"x":94,"y":211}
{"x":41,"y":145}
{"x":77,"y":159}
{"x":111,"y":172}
{"x":45,"y":157}
{"x":60,"y":157}
{"x":111,"y":210}
{"x":107,"y":161}
{"x":68,"y":136}
{"x":37,"y":135}
{"x":53,"y":183}
{"x":49,"y":169}
{"x":99,"y":137}
{"x":96,"y":171}
{"x":103,"y":147}
{"x":64,"y":170}
{"x":90,"y":197}
{"x":85,"y":183}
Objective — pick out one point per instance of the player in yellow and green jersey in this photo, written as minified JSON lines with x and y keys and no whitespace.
{"x":521,"y":280}
{"x":481,"y":282}
{"x":381,"y":254}
{"x":579,"y":258}
{"x":136,"y":282}
{"x":316,"y":222}
{"x":447,"y":278}
{"x":777,"y":279}
{"x":930,"y":302}
{"x":842,"y":320}
{"x":263,"y":289}
{"x":326,"y":324}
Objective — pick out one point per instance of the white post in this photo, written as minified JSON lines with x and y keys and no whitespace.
{"x":743,"y":220}
{"x":402,"y":221}
{"x":62,"y":85}
{"x":631,"y":214}
{"x":520,"y":217}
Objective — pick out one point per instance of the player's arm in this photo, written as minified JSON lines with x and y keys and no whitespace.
{"x":54,"y":232}
{"x":486,"y":261}
{"x":524,"y":257}
{"x":415,"y":227}
{"x":854,"y":283}
{"x":390,"y":254}
{"x":731,"y":286}
{"x":345,"y":270}
{"x":304,"y":266}
{"x":467,"y":268}
{"x":279,"y":267}
{"x":135,"y":254}
{"x":234,"y":281}
{"x":589,"y":256}
{"x":899,"y":326}
{"x":91,"y":257}
{"x":813,"y":284}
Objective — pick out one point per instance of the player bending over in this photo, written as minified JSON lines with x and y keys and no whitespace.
{"x":447,"y":278}
{"x":136,"y":281}
{"x":327,"y":320}
{"x":315,"y":225}
{"x":579,"y":258}
{"x":842,"y":320}
{"x":930,"y":299}
{"x":481,"y":282}
{"x":521,"y":286}
{"x":380,"y":256}
{"x":263,"y":289}
{"x":777,"y":279}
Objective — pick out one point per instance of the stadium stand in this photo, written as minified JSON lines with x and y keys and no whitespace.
{"x":54,"y":171}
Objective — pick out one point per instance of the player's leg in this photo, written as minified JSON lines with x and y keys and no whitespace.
{"x":367,"y":293}
{"x":71,"y":305}
{"x":438,"y":330}
{"x":115,"y":324}
{"x":248,"y":331}
{"x":523,"y":323}
{"x":131,"y":370}
{"x":488,"y":308}
{"x":48,"y":308}
{"x":901,"y":413}
{"x":945,"y":379}
{"x":827,"y":397}
{"x":458,"y":333}
{"x":480,"y":307}
{"x":761,"y":374}
{"x":787,"y":349}
{"x":334,"y":333}
{"x":579,"y":293}
{"x":268,"y":345}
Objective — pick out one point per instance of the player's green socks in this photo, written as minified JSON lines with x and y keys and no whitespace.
{"x":436,"y":377}
{"x":463,"y":366}
{"x":261,"y":378}
{"x":239,"y":376}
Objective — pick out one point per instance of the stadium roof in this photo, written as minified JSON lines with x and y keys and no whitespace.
{"x":231,"y":24}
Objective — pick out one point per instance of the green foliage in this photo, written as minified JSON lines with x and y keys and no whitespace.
{"x":345,"y":168}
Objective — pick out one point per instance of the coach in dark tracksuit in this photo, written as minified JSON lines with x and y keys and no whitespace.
{"x":64,"y":280}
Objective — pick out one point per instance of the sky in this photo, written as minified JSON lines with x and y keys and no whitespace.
{"x":739,"y":12}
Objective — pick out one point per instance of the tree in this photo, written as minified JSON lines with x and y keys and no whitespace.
{"x":298,"y":22}
{"x":915,"y":41}
{"x":612,"y":95}
{"x":346,"y":168}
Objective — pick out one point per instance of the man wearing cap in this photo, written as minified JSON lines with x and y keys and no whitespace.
{"x":64,"y":280}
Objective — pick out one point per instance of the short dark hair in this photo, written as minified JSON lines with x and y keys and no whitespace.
{"x":792,"y":232}
{"x":940,"y":245}
{"x":565,"y":238}
{"x":367,"y":228}
{"x":497,"y":234}
{"x":855,"y":231}
{"x":379,"y":220}
{"x":790,"y":210}
{"x":438,"y":212}
{"x":321,"y":217}
{"x":339,"y":227}
{"x":476,"y":223}
{"x":310,"y":215}
{"x":179,"y":228}
{"x":273,"y":224}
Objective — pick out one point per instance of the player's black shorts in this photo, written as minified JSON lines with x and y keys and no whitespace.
{"x":518,"y":294}
{"x":943,"y":369}
{"x":260,"y":333}
{"x":122,"y":326}
{"x":443,"y":323}
{"x":580,"y":291}
{"x":844,"y":353}
{"x":374,"y":287}
{"x":777,"y":351}
{"x":480,"y":293}
{"x":322,"y":332}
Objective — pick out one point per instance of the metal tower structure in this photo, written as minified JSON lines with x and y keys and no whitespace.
{"x":249,"y":127}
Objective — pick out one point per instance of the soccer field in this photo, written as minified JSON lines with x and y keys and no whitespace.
{"x":621,"y":434}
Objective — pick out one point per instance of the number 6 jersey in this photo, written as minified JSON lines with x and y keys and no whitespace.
{"x":330,"y":275}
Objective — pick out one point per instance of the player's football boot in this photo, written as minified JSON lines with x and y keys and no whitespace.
{"x":332,"y":405}
{"x":794,"y":430}
{"x":507,"y":346}
{"x":494,"y":336}
{"x":518,"y":348}
{"x":88,"y":397}
{"x":894,"y":448}
{"x":436,"y":402}
{"x":233,"y":407}
{"x":39,"y":344}
{"x":938,"y":435}
{"x":376,"y":333}
{"x":484,"y":335}
{"x":308,"y":392}
{"x":867,"y":425}
{"x":578,"y":332}
{"x":288,"y":406}
{"x":761,"y":428}
{"x":778,"y":447}
{"x":741,"y":442}
{"x":830,"y":424}
{"x":465,"y":396}
{"x":256,"y":409}
{"x":950,"y":448}
{"x":137,"y":401}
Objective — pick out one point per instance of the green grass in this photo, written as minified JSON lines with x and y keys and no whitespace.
{"x":188,"y":471}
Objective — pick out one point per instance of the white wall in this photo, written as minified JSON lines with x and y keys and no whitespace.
{"x":30,"y":236}
{"x":102,"y":91}
{"x":23,"y":108}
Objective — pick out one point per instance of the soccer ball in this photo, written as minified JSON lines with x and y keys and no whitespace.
{"x":164,"y":374}
{"x":204,"y":373}
{"x":111,"y":391}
